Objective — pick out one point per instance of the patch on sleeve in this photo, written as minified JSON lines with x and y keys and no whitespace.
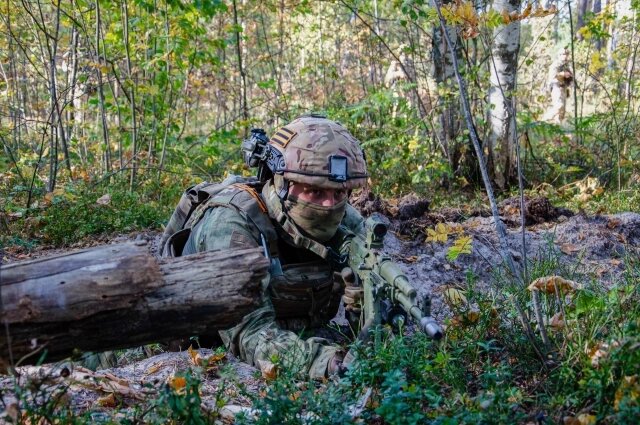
{"x":240,"y":240}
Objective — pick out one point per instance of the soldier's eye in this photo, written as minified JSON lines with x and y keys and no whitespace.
{"x":316,"y":192}
{"x":340,"y":194}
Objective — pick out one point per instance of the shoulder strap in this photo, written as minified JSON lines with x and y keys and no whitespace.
{"x":247,"y":201}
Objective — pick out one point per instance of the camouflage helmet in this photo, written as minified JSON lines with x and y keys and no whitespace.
{"x":317,"y":151}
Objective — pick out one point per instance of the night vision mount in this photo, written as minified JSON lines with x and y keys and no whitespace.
{"x":255,"y":150}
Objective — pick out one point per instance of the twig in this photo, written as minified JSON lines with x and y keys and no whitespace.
{"x":524,"y":320}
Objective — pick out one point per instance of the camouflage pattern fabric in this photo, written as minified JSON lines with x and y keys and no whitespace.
{"x":225,"y":224}
{"x":308,"y":142}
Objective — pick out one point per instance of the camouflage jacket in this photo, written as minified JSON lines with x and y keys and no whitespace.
{"x":303,"y":288}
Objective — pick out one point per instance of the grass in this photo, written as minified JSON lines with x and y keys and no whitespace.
{"x":485,"y":371}
{"x":73,"y":213}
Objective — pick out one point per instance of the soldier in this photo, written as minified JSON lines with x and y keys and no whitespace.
{"x":298,"y":212}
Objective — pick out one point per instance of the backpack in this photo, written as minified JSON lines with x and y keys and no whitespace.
{"x":175,"y":234}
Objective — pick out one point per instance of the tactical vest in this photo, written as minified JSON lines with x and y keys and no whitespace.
{"x":303,"y":295}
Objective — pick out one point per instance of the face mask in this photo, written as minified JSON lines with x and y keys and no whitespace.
{"x":319,"y":222}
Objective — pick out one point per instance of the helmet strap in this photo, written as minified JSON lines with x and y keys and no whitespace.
{"x":281,"y":186}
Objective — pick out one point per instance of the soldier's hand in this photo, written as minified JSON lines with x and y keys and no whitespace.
{"x":353,"y":294}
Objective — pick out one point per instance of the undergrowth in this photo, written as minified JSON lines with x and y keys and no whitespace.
{"x":486,"y":370}
{"x":79,"y":210}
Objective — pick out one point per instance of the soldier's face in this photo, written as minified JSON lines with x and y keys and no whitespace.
{"x":317,"y":195}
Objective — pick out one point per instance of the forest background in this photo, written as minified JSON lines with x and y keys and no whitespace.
{"x":130,"y":101}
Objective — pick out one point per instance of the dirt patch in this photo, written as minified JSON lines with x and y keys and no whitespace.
{"x":367,"y":203}
{"x":593,"y":249}
{"x":411,"y":206}
{"x":537,"y":210}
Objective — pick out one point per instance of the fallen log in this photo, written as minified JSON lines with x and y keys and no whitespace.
{"x":120,"y":296}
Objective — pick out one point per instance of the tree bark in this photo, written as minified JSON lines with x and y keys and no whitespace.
{"x":120,"y":296}
{"x":449,"y":119}
{"x":503,"y":66}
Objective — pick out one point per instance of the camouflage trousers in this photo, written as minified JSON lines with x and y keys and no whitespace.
{"x":259,"y":338}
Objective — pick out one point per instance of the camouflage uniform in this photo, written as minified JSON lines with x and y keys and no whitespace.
{"x":303,"y":289}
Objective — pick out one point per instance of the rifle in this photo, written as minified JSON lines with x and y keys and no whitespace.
{"x":389,"y":298}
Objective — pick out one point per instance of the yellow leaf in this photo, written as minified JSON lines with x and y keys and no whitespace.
{"x":193,"y":354}
{"x":107,"y":401}
{"x":472,"y":316}
{"x":463,"y":244}
{"x":586,"y":419}
{"x":548,"y":285}
{"x":268,"y":369}
{"x":455,"y":297}
{"x":629,"y":388}
{"x":439,"y":234}
{"x":178,"y":384}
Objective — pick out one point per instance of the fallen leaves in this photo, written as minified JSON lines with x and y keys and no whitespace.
{"x":105,"y":382}
{"x":455,"y":297}
{"x":462,"y":245}
{"x":581,"y":419}
{"x":440,"y":233}
{"x":269,"y":370}
{"x":107,"y":401}
{"x":551,"y":284}
{"x":588,"y":187}
{"x":598,"y":353}
{"x":557,"y":321}
{"x":629,"y":389}
{"x":209,"y":363}
{"x":177,"y":384}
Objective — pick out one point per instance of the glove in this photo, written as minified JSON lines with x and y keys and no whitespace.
{"x":353,"y":294}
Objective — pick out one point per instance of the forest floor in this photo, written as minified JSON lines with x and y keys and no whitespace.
{"x":593,"y":248}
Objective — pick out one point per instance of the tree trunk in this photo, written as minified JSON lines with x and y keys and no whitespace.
{"x":132,"y":97}
{"x":504,"y":66}
{"x":120,"y":296}
{"x":449,"y":120}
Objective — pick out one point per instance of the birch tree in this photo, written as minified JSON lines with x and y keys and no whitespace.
{"x":503,"y":67}
{"x":449,"y":120}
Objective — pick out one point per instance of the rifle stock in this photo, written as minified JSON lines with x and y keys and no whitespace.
{"x":389,"y":297}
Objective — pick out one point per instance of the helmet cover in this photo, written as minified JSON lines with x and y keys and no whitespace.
{"x":319,"y":152}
